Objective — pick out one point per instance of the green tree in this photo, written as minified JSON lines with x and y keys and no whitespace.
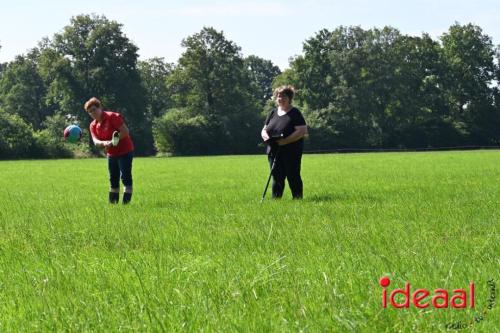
{"x":92,"y":57}
{"x":470,"y":57}
{"x":311,"y":72}
{"x":154,"y":73}
{"x":211,"y":80}
{"x":379,"y":88}
{"x":416,"y":113}
{"x":344,"y":78}
{"x":16,"y":136}
{"x":22,"y":89}
{"x":262,"y":73}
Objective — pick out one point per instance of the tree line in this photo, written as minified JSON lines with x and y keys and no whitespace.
{"x":357,"y":88}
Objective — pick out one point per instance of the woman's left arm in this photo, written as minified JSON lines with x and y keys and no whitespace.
{"x":299,"y":133}
{"x":123,"y":130}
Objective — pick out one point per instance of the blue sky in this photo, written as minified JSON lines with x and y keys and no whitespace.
{"x":273,"y":30}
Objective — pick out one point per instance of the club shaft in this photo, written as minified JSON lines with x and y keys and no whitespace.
{"x":269,"y":178}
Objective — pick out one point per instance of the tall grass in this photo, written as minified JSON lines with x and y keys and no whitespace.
{"x":196,"y":251}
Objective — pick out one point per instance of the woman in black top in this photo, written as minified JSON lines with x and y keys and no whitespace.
{"x":288,"y":125}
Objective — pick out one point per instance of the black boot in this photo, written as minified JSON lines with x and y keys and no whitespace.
{"x":127,"y":196}
{"x":114,"y":197}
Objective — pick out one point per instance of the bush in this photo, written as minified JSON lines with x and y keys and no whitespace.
{"x":49,"y":142}
{"x":16,"y":137}
{"x":46,"y":145}
{"x":179,"y":133}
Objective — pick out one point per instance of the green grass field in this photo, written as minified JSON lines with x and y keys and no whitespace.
{"x":196,"y":251}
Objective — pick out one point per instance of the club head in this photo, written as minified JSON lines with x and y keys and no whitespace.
{"x":116,"y":138}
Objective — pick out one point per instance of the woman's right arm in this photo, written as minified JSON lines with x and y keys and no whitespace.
{"x":264,"y":134}
{"x":101,"y":144}
{"x":98,"y":143}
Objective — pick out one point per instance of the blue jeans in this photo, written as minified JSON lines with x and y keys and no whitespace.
{"x":120,"y":166}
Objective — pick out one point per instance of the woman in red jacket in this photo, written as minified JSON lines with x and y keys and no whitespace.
{"x":109,"y":131}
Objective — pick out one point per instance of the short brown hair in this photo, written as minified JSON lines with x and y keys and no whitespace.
{"x":288,"y":90}
{"x":92,"y":102}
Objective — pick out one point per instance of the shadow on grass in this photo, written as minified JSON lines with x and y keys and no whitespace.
{"x":326,"y":197}
{"x":336,"y":197}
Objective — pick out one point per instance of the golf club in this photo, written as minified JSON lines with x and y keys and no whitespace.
{"x":271,"y":142}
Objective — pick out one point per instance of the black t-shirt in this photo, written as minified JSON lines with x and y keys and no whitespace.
{"x":285,"y":125}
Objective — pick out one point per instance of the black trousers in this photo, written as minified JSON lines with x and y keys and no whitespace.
{"x":120,"y":166}
{"x":287,"y":167}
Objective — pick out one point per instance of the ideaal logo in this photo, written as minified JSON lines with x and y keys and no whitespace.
{"x":460,"y":298}
{"x":440,"y":299}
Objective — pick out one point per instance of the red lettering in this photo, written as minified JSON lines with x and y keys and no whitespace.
{"x":462,"y":295}
{"x":471,"y":294}
{"x":384,"y":282}
{"x":405,"y":292}
{"x":384,"y":298}
{"x":439,"y":300}
{"x":443,"y":296}
{"x":417,"y":298}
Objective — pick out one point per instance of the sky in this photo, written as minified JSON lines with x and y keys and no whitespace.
{"x":273,"y":30}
